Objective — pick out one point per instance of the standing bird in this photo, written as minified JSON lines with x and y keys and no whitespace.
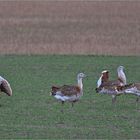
{"x":104,"y":79}
{"x":5,"y":86}
{"x":105,"y":86}
{"x":71,"y":93}
{"x":121,"y":76}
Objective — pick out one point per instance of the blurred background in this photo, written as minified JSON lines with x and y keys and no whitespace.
{"x":70,"y":27}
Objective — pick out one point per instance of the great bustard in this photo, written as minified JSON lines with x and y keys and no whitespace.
{"x":105,"y":86}
{"x":131,"y":88}
{"x":5,"y":86}
{"x":71,"y":93}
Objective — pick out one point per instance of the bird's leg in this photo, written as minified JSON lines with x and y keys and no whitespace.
{"x":62,"y":107}
{"x":72,"y":104}
{"x":114,"y":99}
{"x":137,"y":99}
{"x":62,"y":102}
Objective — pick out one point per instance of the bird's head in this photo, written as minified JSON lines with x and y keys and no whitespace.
{"x":120,"y":68}
{"x":81,"y":75}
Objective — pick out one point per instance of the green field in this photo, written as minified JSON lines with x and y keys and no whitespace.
{"x":32,"y":113}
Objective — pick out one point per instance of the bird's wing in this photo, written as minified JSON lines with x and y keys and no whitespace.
{"x":137,"y":85}
{"x":133,"y":88}
{"x":111,"y":83}
{"x":108,"y":90}
{"x":110,"y":87}
{"x":6,"y":88}
{"x":55,"y":88}
{"x":69,"y":90}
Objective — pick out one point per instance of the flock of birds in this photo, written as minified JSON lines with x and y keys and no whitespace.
{"x":73,"y":93}
{"x":117,"y":87}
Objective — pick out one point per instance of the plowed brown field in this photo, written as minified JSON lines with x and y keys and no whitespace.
{"x":33,"y":27}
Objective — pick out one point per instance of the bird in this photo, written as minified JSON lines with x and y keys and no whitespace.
{"x":105,"y":86}
{"x":104,"y":79}
{"x":5,"y":86}
{"x":132,"y":88}
{"x":70,"y":93}
{"x":121,"y":75}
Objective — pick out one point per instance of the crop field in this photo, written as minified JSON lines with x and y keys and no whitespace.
{"x":32,"y":113}
{"x":70,"y":27}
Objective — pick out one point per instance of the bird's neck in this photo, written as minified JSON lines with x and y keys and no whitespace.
{"x":1,"y":79}
{"x":121,"y":76}
{"x":80,"y":83}
{"x":103,"y":79}
{"x":99,"y":82}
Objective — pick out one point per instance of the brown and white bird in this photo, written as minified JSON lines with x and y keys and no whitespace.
{"x":123,"y":87}
{"x":71,"y":93}
{"x":104,"y":79}
{"x":132,"y":88}
{"x":5,"y":86}
{"x":105,"y":86}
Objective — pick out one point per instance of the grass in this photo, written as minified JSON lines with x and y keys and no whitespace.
{"x":32,"y":113}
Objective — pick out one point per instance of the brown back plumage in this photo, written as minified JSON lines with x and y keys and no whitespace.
{"x":128,"y":86}
{"x":106,"y":82}
{"x":137,"y":85}
{"x":70,"y":90}
{"x":67,"y":90}
{"x":111,"y":83}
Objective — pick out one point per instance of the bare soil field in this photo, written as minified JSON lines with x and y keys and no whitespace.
{"x":62,"y":27}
